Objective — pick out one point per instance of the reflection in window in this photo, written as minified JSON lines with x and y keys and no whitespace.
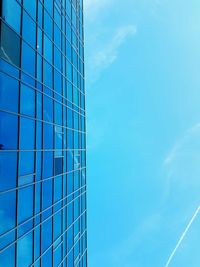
{"x":28,"y":59}
{"x":25,"y":203}
{"x":8,"y":213}
{"x":30,"y":7}
{"x":8,"y":125}
{"x":26,"y":163}
{"x":24,"y":250}
{"x":8,"y":175}
{"x":7,"y":13}
{"x":27,"y":133}
{"x":27,"y":100}
{"x":58,"y":165}
{"x":7,"y":257}
{"x":7,"y":39}
{"x":29,"y":29}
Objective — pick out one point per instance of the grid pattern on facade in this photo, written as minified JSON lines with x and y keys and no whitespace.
{"x":42,"y":134}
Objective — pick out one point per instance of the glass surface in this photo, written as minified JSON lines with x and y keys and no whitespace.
{"x":9,"y":87}
{"x":24,"y":250}
{"x":8,"y":175}
{"x":8,"y":125}
{"x":8,"y":212}
{"x":28,"y":59}
{"x":40,"y":135}
{"x":27,"y":100}
{"x":30,"y":7}
{"x":7,"y":13}
{"x":29,"y":29}
{"x":25,"y":203}
{"x":7,"y":39}
{"x":27,"y":133}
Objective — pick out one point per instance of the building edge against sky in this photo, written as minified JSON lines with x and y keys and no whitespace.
{"x":42,"y":134}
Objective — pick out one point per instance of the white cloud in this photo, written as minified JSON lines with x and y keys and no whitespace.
{"x":105,"y":56}
{"x":92,"y":8}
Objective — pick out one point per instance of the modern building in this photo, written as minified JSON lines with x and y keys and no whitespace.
{"x":42,"y":134}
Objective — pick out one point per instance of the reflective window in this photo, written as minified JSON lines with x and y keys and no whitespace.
{"x":48,"y":49}
{"x":27,"y":133}
{"x":7,"y":13}
{"x":9,"y":87}
{"x":48,"y":136}
{"x":28,"y":59}
{"x":8,"y":175}
{"x":48,"y":24}
{"x":8,"y":125}
{"x":7,"y":257}
{"x":27,"y":100}
{"x":8,"y":213}
{"x":47,"y":164}
{"x":24,"y":250}
{"x":30,"y":7}
{"x":58,"y":165}
{"x":26,"y":162}
{"x":8,"y":38}
{"x":29,"y":29}
{"x":25,"y":203}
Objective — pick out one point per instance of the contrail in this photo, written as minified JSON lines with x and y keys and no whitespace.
{"x":182,"y":237}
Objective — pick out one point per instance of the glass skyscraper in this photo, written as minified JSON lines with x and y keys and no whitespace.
{"x":42,"y":134}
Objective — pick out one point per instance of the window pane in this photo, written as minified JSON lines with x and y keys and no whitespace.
{"x":48,"y":49}
{"x":58,"y":165}
{"x":28,"y":59}
{"x":26,"y":163}
{"x":27,"y":133}
{"x":47,"y":164}
{"x":27,"y":100}
{"x":29,"y":29}
{"x":25,"y":203}
{"x":30,"y":7}
{"x":8,"y":38}
{"x":7,"y":208}
{"x":24,"y":250}
{"x":48,"y":136}
{"x":8,"y":168}
{"x":9,"y":87}
{"x":8,"y":125}
{"x":7,"y":257}
{"x":7,"y":13}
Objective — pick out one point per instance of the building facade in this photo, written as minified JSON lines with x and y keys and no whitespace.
{"x":42,"y":134}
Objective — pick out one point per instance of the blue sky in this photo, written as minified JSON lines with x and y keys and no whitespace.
{"x":143,"y":122}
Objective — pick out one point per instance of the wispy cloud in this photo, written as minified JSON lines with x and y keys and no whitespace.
{"x":94,"y":7}
{"x":182,"y":237}
{"x":106,"y":56}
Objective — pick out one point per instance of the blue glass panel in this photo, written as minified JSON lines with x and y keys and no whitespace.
{"x":57,"y":225}
{"x":58,"y":113}
{"x":28,"y":59}
{"x":37,"y":242}
{"x":47,"y":164}
{"x":70,"y":214}
{"x":70,"y":237}
{"x":48,"y":136}
{"x":46,"y":235}
{"x":26,"y":163}
{"x":47,"y":199}
{"x":9,"y":87}
{"x":8,"y":213}
{"x":48,"y":49}
{"x":30,"y":7}
{"x":25,"y":203}
{"x":70,"y":260}
{"x":47,"y":258}
{"x":49,"y":6}
{"x":8,"y":38}
{"x":57,"y":188}
{"x":7,"y":13}
{"x":7,"y":258}
{"x":48,"y":109}
{"x":58,"y":256}
{"x":8,"y":175}
{"x":48,"y":72}
{"x":27,"y":133}
{"x":48,"y":24}
{"x":57,"y":82}
{"x":57,"y":58}
{"x":24,"y":250}
{"x":27,"y":100}
{"x":8,"y":125}
{"x":29,"y":29}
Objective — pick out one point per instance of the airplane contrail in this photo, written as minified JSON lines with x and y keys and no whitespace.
{"x":182,"y":236}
